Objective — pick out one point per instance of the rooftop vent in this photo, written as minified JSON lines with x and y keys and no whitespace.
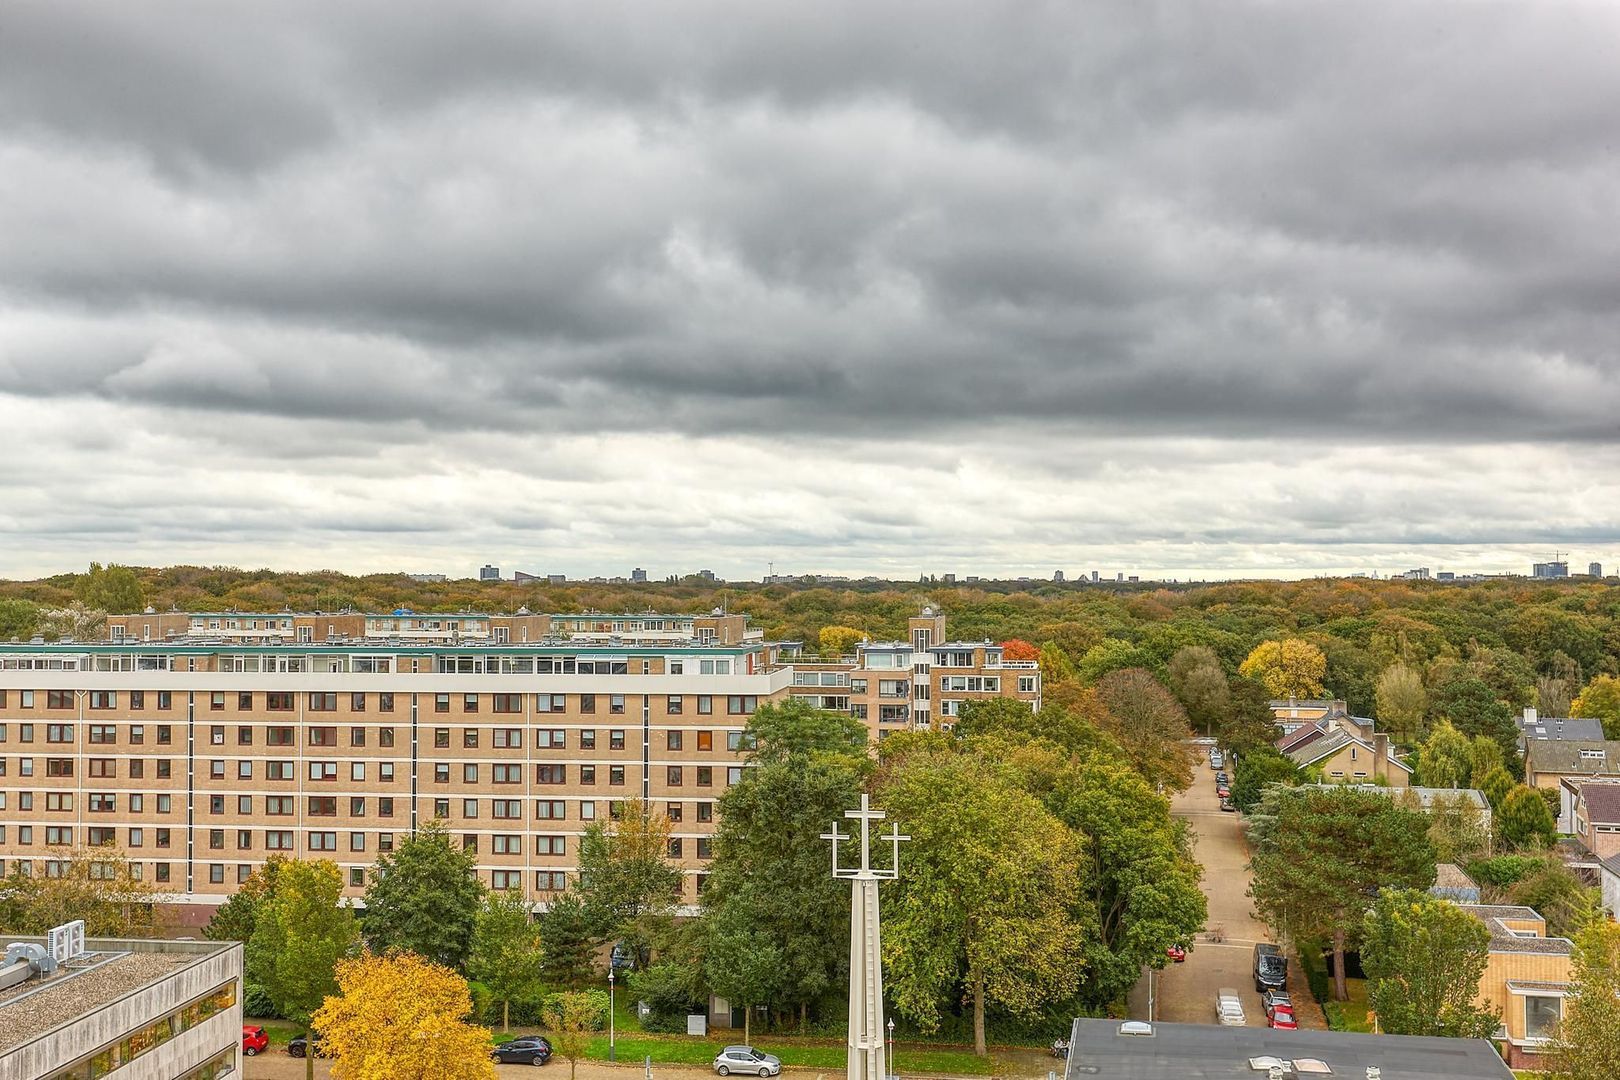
{"x":1374,"y":1072}
{"x":1136,"y":1028}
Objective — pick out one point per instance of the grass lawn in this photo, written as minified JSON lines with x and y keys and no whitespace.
{"x":685,"y":1050}
{"x":1350,"y":1015}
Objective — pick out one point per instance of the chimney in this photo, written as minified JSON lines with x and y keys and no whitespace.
{"x":1529,"y":715}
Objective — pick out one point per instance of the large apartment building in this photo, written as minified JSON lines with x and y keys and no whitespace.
{"x":202,"y":743}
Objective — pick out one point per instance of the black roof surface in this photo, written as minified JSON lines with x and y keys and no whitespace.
{"x":1212,"y":1052}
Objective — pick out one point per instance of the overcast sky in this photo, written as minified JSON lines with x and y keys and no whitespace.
{"x":1193,"y":289}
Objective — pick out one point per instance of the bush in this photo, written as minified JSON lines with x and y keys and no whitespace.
{"x":599,"y":1006}
{"x":1316,"y":974}
{"x":1503,"y":870}
{"x":485,"y":1008}
{"x":257,"y":1004}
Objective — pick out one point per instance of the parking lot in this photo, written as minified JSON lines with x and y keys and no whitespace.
{"x":1185,"y":992}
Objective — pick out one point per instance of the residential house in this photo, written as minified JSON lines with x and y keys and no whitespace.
{"x":1564,"y":728}
{"x":1549,"y":762}
{"x":1527,"y":977}
{"x":1451,"y":882}
{"x":1292,"y":714}
{"x":1347,"y":749}
{"x":1596,"y":809}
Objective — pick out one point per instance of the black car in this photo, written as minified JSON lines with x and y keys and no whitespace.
{"x":1221,"y":777}
{"x":523,"y":1050}
{"x":1270,"y":968}
{"x":299,"y":1046}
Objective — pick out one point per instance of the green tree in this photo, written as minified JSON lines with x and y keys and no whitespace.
{"x":1402,"y":702}
{"x":18,"y":619}
{"x":1560,"y":897}
{"x":1495,"y":786}
{"x":1446,"y":758}
{"x":1424,"y":957}
{"x":1199,"y":683}
{"x":97,"y":884}
{"x":1146,"y":719}
{"x":1320,"y":854}
{"x":1055,"y":664}
{"x":567,"y":942}
{"x":1291,"y":668}
{"x":1588,"y":1040}
{"x":1249,"y":723}
{"x":1457,"y":828}
{"x":1485,"y":757}
{"x":112,"y":588}
{"x":235,"y":919}
{"x":1524,"y":820}
{"x":1600,"y":700}
{"x":424,"y":896}
{"x":570,"y":1018}
{"x":1554,"y":696}
{"x":769,"y":875}
{"x":1109,"y":654}
{"x":792,"y":728}
{"x":1257,"y":768}
{"x":1474,"y":709}
{"x":627,"y":884}
{"x":506,"y":954}
{"x":984,"y":910}
{"x":302,"y":930}
{"x":744,"y":964}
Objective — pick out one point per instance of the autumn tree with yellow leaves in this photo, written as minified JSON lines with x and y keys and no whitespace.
{"x":400,"y":1017}
{"x":1290,"y":668}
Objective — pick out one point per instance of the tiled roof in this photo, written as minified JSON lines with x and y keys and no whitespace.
{"x":1561,"y":728}
{"x":1564,"y":756}
{"x":1602,"y":803}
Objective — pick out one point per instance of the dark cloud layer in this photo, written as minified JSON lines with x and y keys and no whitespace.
{"x":1058,"y":232}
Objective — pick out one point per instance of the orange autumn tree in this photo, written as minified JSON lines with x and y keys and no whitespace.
{"x":1019,"y":649}
{"x":400,"y":1017}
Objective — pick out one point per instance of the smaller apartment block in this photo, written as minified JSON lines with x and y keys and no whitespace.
{"x":200,"y":744}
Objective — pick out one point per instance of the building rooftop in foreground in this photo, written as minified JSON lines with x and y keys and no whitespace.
{"x":1097,"y":1048}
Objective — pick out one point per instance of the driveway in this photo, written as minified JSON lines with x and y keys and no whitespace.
{"x":1185,"y":992}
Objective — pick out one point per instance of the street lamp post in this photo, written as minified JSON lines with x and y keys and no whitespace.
{"x":610,"y":1012}
{"x":892,"y":1070}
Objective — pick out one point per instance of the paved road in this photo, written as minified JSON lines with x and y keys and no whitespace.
{"x":1186,"y":992}
{"x":278,"y":1065}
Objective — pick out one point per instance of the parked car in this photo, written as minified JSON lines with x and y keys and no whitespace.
{"x":1270,"y":968}
{"x":255,"y":1040}
{"x":1176,"y":953}
{"x":523,"y":1050}
{"x":1272,"y":1000}
{"x":1228,"y":1008}
{"x":1229,"y":806}
{"x":1216,"y":761}
{"x":1223,"y":792}
{"x":299,"y":1046}
{"x":1283,"y":1019}
{"x":746,"y":1060}
{"x":1221,"y":777}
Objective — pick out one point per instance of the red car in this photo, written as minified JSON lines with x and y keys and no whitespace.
{"x":254,"y":1040}
{"x":1176,"y":953}
{"x":1223,"y":792}
{"x":1283,"y":1018}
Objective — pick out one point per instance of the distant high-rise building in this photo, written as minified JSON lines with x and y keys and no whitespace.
{"x":489,"y":573}
{"x":1420,"y":574}
{"x":1057,"y":576}
{"x":519,"y":577}
{"x":1446,"y":575}
{"x":427,"y":579}
{"x":556,"y":579}
{"x":638,"y":575}
{"x":1594,"y":569}
{"x":1557,"y":569}
{"x":948,"y":579}
{"x":1096,"y":575}
{"x":707,"y":575}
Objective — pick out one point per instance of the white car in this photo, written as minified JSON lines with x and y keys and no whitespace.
{"x":1229,"y":1008}
{"x":746,"y":1061}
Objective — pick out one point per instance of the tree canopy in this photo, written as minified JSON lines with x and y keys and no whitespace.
{"x":627,"y":886}
{"x":401,"y":1017}
{"x":1290,"y":668}
{"x":1424,"y":957}
{"x":424,"y":896}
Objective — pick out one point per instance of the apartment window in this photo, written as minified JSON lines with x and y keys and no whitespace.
{"x":216,"y":804}
{"x":216,"y":702}
{"x":162,"y":871}
{"x":103,"y":767}
{"x":507,"y":774}
{"x":505,"y":844}
{"x":551,"y":774}
{"x":63,"y":800}
{"x":550,"y":703}
{"x":278,"y":736}
{"x":734,"y":774}
{"x":469,"y":738}
{"x":137,"y":734}
{"x":469,"y":703}
{"x":357,"y":703}
{"x":441,"y":808}
{"x":25,"y":733}
{"x":705,"y":704}
{"x":137,"y":699}
{"x":587,"y":774}
{"x":244,"y":805}
{"x":323,"y":703}
{"x":616,"y":740}
{"x":103,"y":699}
{"x":616,"y":703}
{"x":322,"y":736}
{"x":550,"y":809}
{"x":58,"y":766}
{"x":441,"y":773}
{"x":385,"y":772}
{"x":587,"y":703}
{"x":705,"y":776}
{"x":507,"y":703}
{"x":705,"y":811}
{"x":323,"y":841}
{"x":216,"y":735}
{"x":216,"y":873}
{"x":163,"y":838}
{"x":674,"y":776}
{"x":385,"y":702}
{"x":278,"y":805}
{"x":616,"y":775}
{"x":587,"y":739}
{"x":674,"y":847}
{"x":244,"y":839}
{"x":323,"y":770}
{"x":507,"y":738}
{"x":357,"y":736}
{"x":58,"y":733}
{"x":501,"y":880}
{"x":469,"y":808}
{"x":441,"y":738}
{"x":164,"y":804}
{"x":672,"y":740}
{"x":550,"y":880}
{"x":357,"y":770}
{"x":705,"y":740}
{"x":587,"y":811}
{"x":1542,"y":1015}
{"x":244,"y":702}
{"x":216,"y":770}
{"x":385,"y":736}
{"x":244,"y":770}
{"x":506,"y":809}
{"x":278,"y":770}
{"x":469,"y":773}
{"x":323,"y":806}
{"x":137,"y":837}
{"x":551,"y":845}
{"x":278,"y":702}
{"x":441,"y":703}
{"x":705,"y":847}
{"x":385,"y":806}
{"x":357,"y":841}
{"x":244,"y":736}
{"x":57,"y":699}
{"x":738,"y":740}
{"x":216,"y":839}
{"x":673,"y":705}
{"x":385,"y":841}
{"x":741,"y":704}
{"x":554,"y":739}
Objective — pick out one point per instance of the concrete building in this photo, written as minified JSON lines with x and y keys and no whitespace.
{"x":489,"y":573}
{"x":232,"y":735}
{"x":638,"y":576}
{"x":1133,"y":1050}
{"x":1553,"y":569}
{"x":1594,"y":569}
{"x":1596,"y":810}
{"x":135,"y":1009}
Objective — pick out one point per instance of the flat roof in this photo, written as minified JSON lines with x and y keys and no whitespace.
{"x":1214,"y":1052}
{"x":104,"y":973}
{"x":209,"y":646}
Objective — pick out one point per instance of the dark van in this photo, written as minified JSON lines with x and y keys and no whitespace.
{"x":1270,"y":968}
